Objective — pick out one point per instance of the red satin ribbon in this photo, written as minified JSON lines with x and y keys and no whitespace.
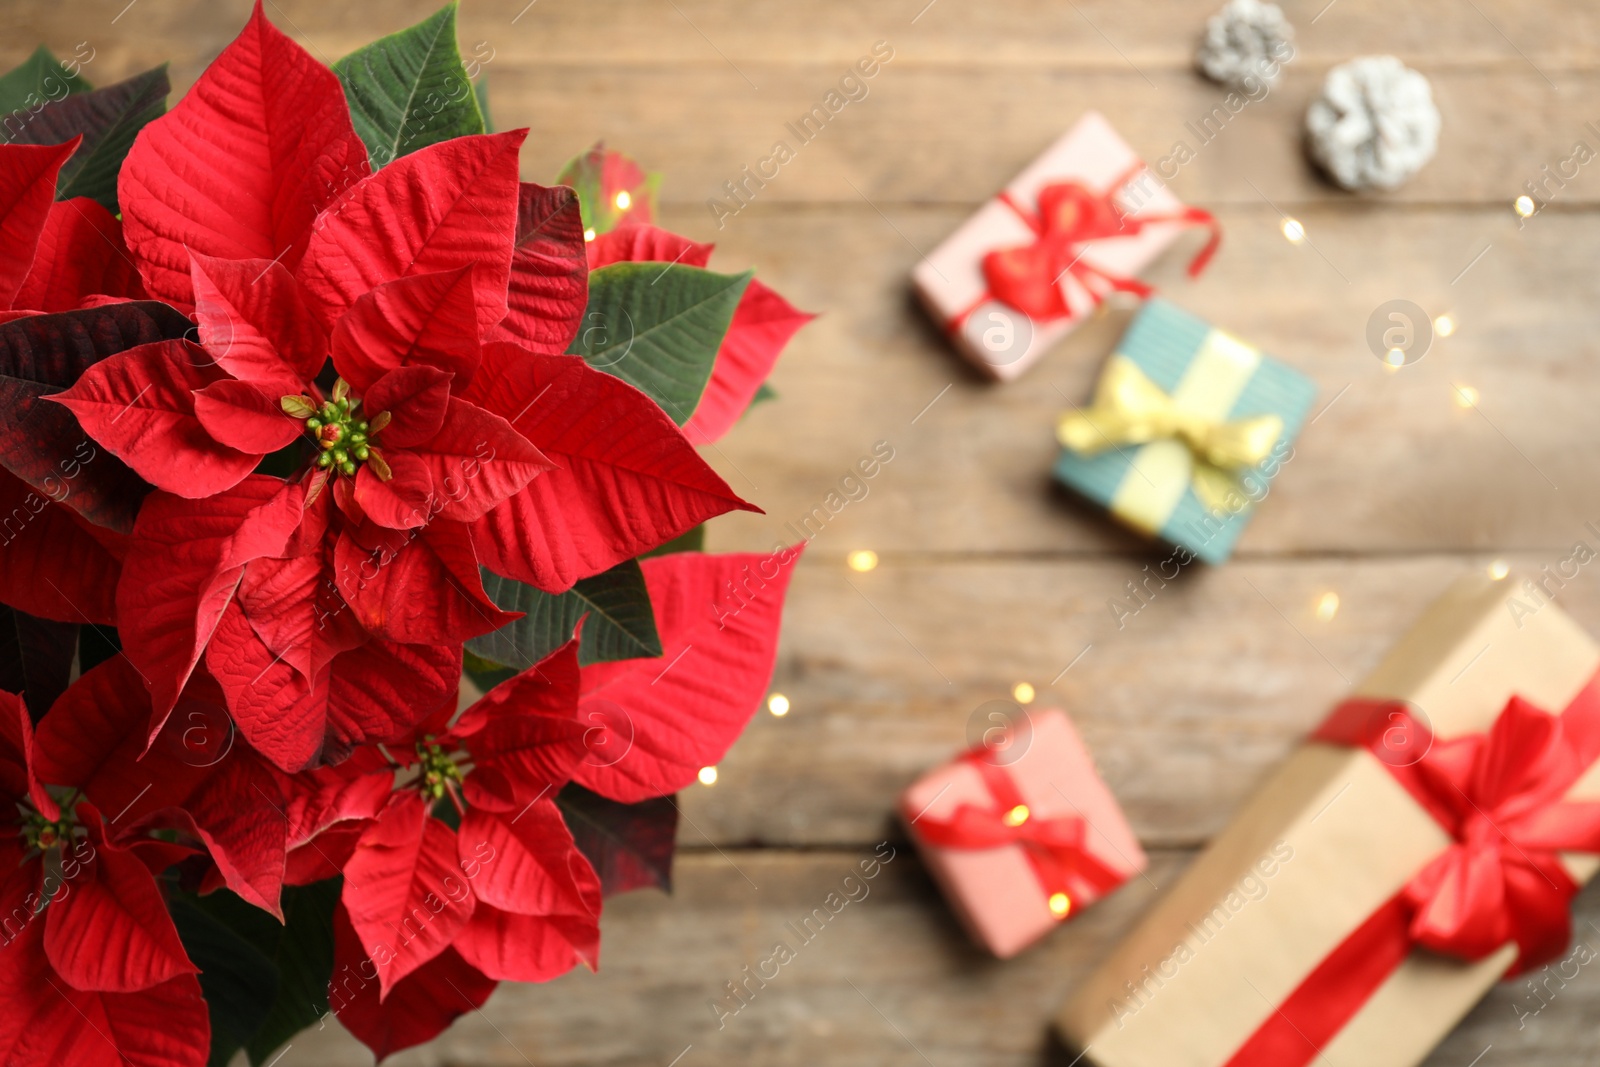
{"x":1055,"y":847}
{"x":1500,"y":797}
{"x":1070,"y":217}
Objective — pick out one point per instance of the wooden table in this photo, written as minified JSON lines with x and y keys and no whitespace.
{"x":988,"y":575}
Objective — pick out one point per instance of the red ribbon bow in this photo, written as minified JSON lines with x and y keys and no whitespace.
{"x":1071,"y":216}
{"x":1500,"y":796}
{"x":1055,"y":847}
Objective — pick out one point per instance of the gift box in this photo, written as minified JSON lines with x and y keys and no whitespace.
{"x":1187,"y":428}
{"x":1022,"y":835}
{"x":1424,"y":843}
{"x":1079,"y":223}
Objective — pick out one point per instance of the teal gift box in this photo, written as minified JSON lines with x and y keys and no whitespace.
{"x":1187,"y":429}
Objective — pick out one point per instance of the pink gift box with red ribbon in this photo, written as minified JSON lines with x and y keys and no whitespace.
{"x":1080,"y":222}
{"x":1022,"y":835}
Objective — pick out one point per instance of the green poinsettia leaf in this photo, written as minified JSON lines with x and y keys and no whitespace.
{"x":410,"y":89}
{"x":300,"y":952}
{"x":303,"y":953}
{"x":37,"y":81}
{"x":764,"y":392}
{"x":108,"y":120}
{"x":547,"y":623}
{"x":484,"y":672}
{"x":658,"y":328}
{"x":481,"y":90}
{"x":620,"y":622}
{"x":691,"y":540}
{"x":239,"y":981}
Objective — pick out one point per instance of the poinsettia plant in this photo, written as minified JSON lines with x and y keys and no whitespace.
{"x":307,"y":405}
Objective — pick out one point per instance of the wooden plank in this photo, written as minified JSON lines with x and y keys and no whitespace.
{"x":1186,"y":702}
{"x":955,"y":134}
{"x":887,"y":981}
{"x":930,"y":129}
{"x":1394,"y":465}
{"x":1160,"y":34}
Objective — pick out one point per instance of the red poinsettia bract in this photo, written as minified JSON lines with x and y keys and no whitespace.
{"x":91,"y":968}
{"x":510,"y":868}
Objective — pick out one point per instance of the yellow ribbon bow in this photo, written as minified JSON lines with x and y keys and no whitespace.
{"x":1130,"y":409}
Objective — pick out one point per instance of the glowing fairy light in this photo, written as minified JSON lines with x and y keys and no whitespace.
{"x":862,"y":560}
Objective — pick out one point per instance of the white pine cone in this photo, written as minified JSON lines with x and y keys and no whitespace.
{"x":1247,"y":37}
{"x":1374,"y":125}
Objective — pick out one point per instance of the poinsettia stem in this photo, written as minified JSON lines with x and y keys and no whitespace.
{"x":455,"y":798}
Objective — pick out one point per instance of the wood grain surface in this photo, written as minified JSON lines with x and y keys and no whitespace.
{"x":988,"y":575}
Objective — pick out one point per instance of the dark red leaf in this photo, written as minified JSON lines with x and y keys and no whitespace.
{"x":280,"y":712}
{"x":372,"y":693}
{"x":42,"y":443}
{"x":238,"y":814}
{"x":352,"y":791}
{"x":629,"y":845}
{"x":51,"y":565}
{"x":94,"y":735}
{"x":107,"y":119}
{"x":380,"y":690}
{"x":18,"y":774}
{"x":324,"y":856}
{"x":293,"y":608}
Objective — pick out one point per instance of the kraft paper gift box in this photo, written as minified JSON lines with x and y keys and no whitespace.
{"x":1334,"y":921}
{"x":1187,"y":428}
{"x":1021,"y":837}
{"x":1081,"y":221}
